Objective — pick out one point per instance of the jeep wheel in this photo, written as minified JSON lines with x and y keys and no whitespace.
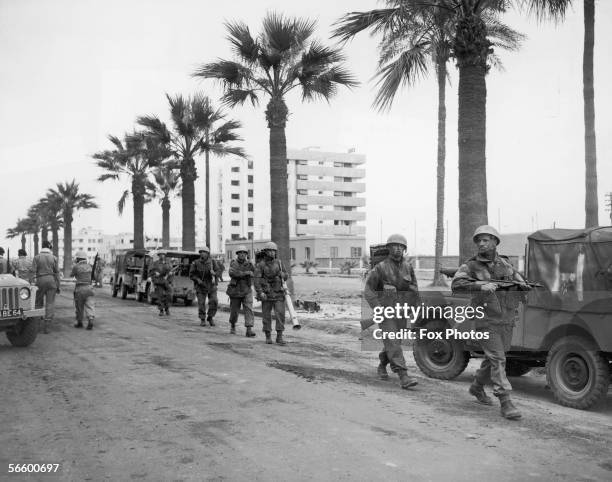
{"x":577,"y":373}
{"x":188,"y":302}
{"x":124,"y":291}
{"x":114,"y":289}
{"x":24,"y":333}
{"x":516,"y":369}
{"x":442,"y":359}
{"x":140,"y":296}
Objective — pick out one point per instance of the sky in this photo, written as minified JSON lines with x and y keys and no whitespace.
{"x":75,"y":71}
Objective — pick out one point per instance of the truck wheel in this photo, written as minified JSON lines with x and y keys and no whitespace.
{"x":516,"y":369}
{"x":577,"y":373}
{"x":24,"y":333}
{"x":140,"y":296}
{"x":188,"y":302}
{"x":442,"y":359}
{"x":124,"y":291}
{"x":114,"y":289}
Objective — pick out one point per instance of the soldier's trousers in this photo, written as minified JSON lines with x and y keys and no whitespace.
{"x":247,"y":306}
{"x":279,"y":313}
{"x":493,"y":367}
{"x":392,"y":353}
{"x":84,"y":303}
{"x":211,"y":294}
{"x":45,"y":295}
{"x":162,"y":293}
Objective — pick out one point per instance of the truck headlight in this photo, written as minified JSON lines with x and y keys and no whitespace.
{"x":24,"y":293}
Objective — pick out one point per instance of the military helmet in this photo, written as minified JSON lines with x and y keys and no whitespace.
{"x":204,"y":250}
{"x":81,"y":255}
{"x":270,"y":245}
{"x":397,"y":239}
{"x":242,"y":249}
{"x":486,"y":229}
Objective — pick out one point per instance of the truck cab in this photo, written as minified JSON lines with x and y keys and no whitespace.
{"x":19,"y":317}
{"x":131,"y":273}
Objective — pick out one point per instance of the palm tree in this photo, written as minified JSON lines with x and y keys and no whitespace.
{"x":284,"y":56}
{"x":22,"y":227}
{"x":590,"y":152}
{"x":51,"y":207}
{"x":135,"y":159}
{"x":412,"y":44}
{"x":71,"y":200}
{"x":38,"y":224}
{"x":167,"y":180}
{"x":197,"y":126}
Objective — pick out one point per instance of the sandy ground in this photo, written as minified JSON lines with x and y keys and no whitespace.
{"x":148,"y":398}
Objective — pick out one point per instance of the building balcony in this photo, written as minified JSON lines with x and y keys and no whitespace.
{"x":331,"y":171}
{"x":327,"y":215}
{"x":331,"y":186}
{"x":330,"y":200}
{"x":316,"y":156}
{"x":329,"y":230}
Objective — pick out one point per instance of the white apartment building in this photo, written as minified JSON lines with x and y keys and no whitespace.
{"x":326,"y":192}
{"x":232,"y":202}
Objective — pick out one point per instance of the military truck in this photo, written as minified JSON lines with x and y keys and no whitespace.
{"x":565,"y":326}
{"x":130,"y":273}
{"x":182,"y":286}
{"x":19,"y":317}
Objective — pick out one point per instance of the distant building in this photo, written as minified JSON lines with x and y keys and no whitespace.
{"x":326,"y":193}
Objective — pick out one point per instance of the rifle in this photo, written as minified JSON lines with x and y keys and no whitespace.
{"x":289,"y":303}
{"x":506,"y":284}
{"x":93,"y":269}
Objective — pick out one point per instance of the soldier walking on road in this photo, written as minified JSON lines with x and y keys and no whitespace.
{"x":3,"y":262}
{"x":203,"y":273}
{"x":500,"y":315}
{"x":83,"y":292}
{"x":241,"y":273}
{"x":393,"y":281}
{"x":268,"y":279}
{"x":22,"y":266}
{"x":46,"y":274}
{"x":161,"y":274}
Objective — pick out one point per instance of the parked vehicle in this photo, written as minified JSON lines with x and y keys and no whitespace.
{"x":182,"y":286}
{"x":130,"y":273}
{"x":19,"y":317}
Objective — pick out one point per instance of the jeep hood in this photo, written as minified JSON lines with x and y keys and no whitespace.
{"x":9,"y":281}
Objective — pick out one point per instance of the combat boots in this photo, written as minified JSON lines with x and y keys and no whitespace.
{"x":268,"y":337}
{"x":79,"y":324}
{"x":279,"y":338}
{"x":477,"y":390}
{"x":382,"y":372}
{"x":249,"y":332}
{"x":405,"y":380}
{"x":210,"y":321}
{"x":167,"y":312}
{"x":45,"y":326}
{"x":233,"y":329}
{"x":508,"y":410}
{"x":90,"y":324}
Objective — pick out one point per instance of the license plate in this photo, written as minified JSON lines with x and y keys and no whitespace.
{"x":17,"y":312}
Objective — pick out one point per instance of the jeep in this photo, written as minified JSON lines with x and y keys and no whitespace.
{"x":19,"y":317}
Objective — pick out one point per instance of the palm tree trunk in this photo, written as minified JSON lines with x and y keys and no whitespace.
{"x":55,"y":240}
{"x":23,"y":241}
{"x":590,"y":154}
{"x":36,"y":240}
{"x":67,"y":242}
{"x":441,"y":71}
{"x":188,"y":177}
{"x":207,"y":161}
{"x":166,"y":223}
{"x":44,"y":233}
{"x":276,"y":114}
{"x":471,"y":48}
{"x":138,"y":197}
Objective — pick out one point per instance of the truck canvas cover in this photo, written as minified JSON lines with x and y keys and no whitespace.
{"x":575,"y":267}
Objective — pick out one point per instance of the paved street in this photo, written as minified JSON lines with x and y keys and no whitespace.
{"x":149,"y":398}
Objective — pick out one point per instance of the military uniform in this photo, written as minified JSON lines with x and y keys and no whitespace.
{"x":22,"y":267}
{"x":83,"y":294}
{"x":500,"y":309}
{"x":268,"y":280}
{"x":162,"y":279}
{"x":389,"y":283}
{"x":204,"y":276}
{"x":239,"y":291}
{"x":46,"y":273}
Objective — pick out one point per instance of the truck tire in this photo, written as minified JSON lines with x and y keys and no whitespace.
{"x":140,"y":296}
{"x":24,"y":333}
{"x":124,"y":291}
{"x":516,"y":368}
{"x":188,"y":302}
{"x":114,"y":289}
{"x":442,"y":359}
{"x":577,"y":373}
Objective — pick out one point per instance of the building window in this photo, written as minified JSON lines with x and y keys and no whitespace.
{"x":235,"y":237}
{"x":302,"y":192}
{"x":301,"y":221}
{"x":348,"y":179}
{"x":320,"y":192}
{"x":235,"y":196}
{"x":235,"y":182}
{"x":235,"y":210}
{"x":320,"y":222}
{"x":337,"y":193}
{"x":348,"y":194}
{"x":292,"y":253}
{"x":338,"y":178}
{"x":321,"y":163}
{"x":250,"y":179}
{"x":337,"y":164}
{"x":320,"y":178}
{"x":235,"y":223}
{"x":235,"y":169}
{"x":250,"y":234}
{"x":355,"y":252}
{"x":250,"y":193}
{"x":250,"y":164}
{"x":320,"y":207}
{"x":250,"y":207}
{"x":336,"y":222}
{"x":250,"y":222}
{"x":333,"y":252}
{"x":301,"y":162}
{"x":301,"y":206}
{"x":347,"y":164}
{"x":307,"y":252}
{"x":302,"y":177}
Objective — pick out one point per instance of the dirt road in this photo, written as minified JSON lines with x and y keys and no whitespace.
{"x":149,"y":398}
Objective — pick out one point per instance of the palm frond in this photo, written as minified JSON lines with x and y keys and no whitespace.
{"x":228,"y":72}
{"x":234,"y":97}
{"x":243,"y":43}
{"x":121,"y":202}
{"x":379,"y":20}
{"x":283,"y":34}
{"x":554,"y":10}
{"x":325,"y":85}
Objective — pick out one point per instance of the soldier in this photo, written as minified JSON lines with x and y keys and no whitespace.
{"x":203,"y":273}
{"x":22,"y":266}
{"x":500,"y":314}
{"x":161,"y":274}
{"x":3,"y":266}
{"x":269,"y":276}
{"x":83,"y":292}
{"x":45,"y":271}
{"x":241,"y":272}
{"x":393,"y":281}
